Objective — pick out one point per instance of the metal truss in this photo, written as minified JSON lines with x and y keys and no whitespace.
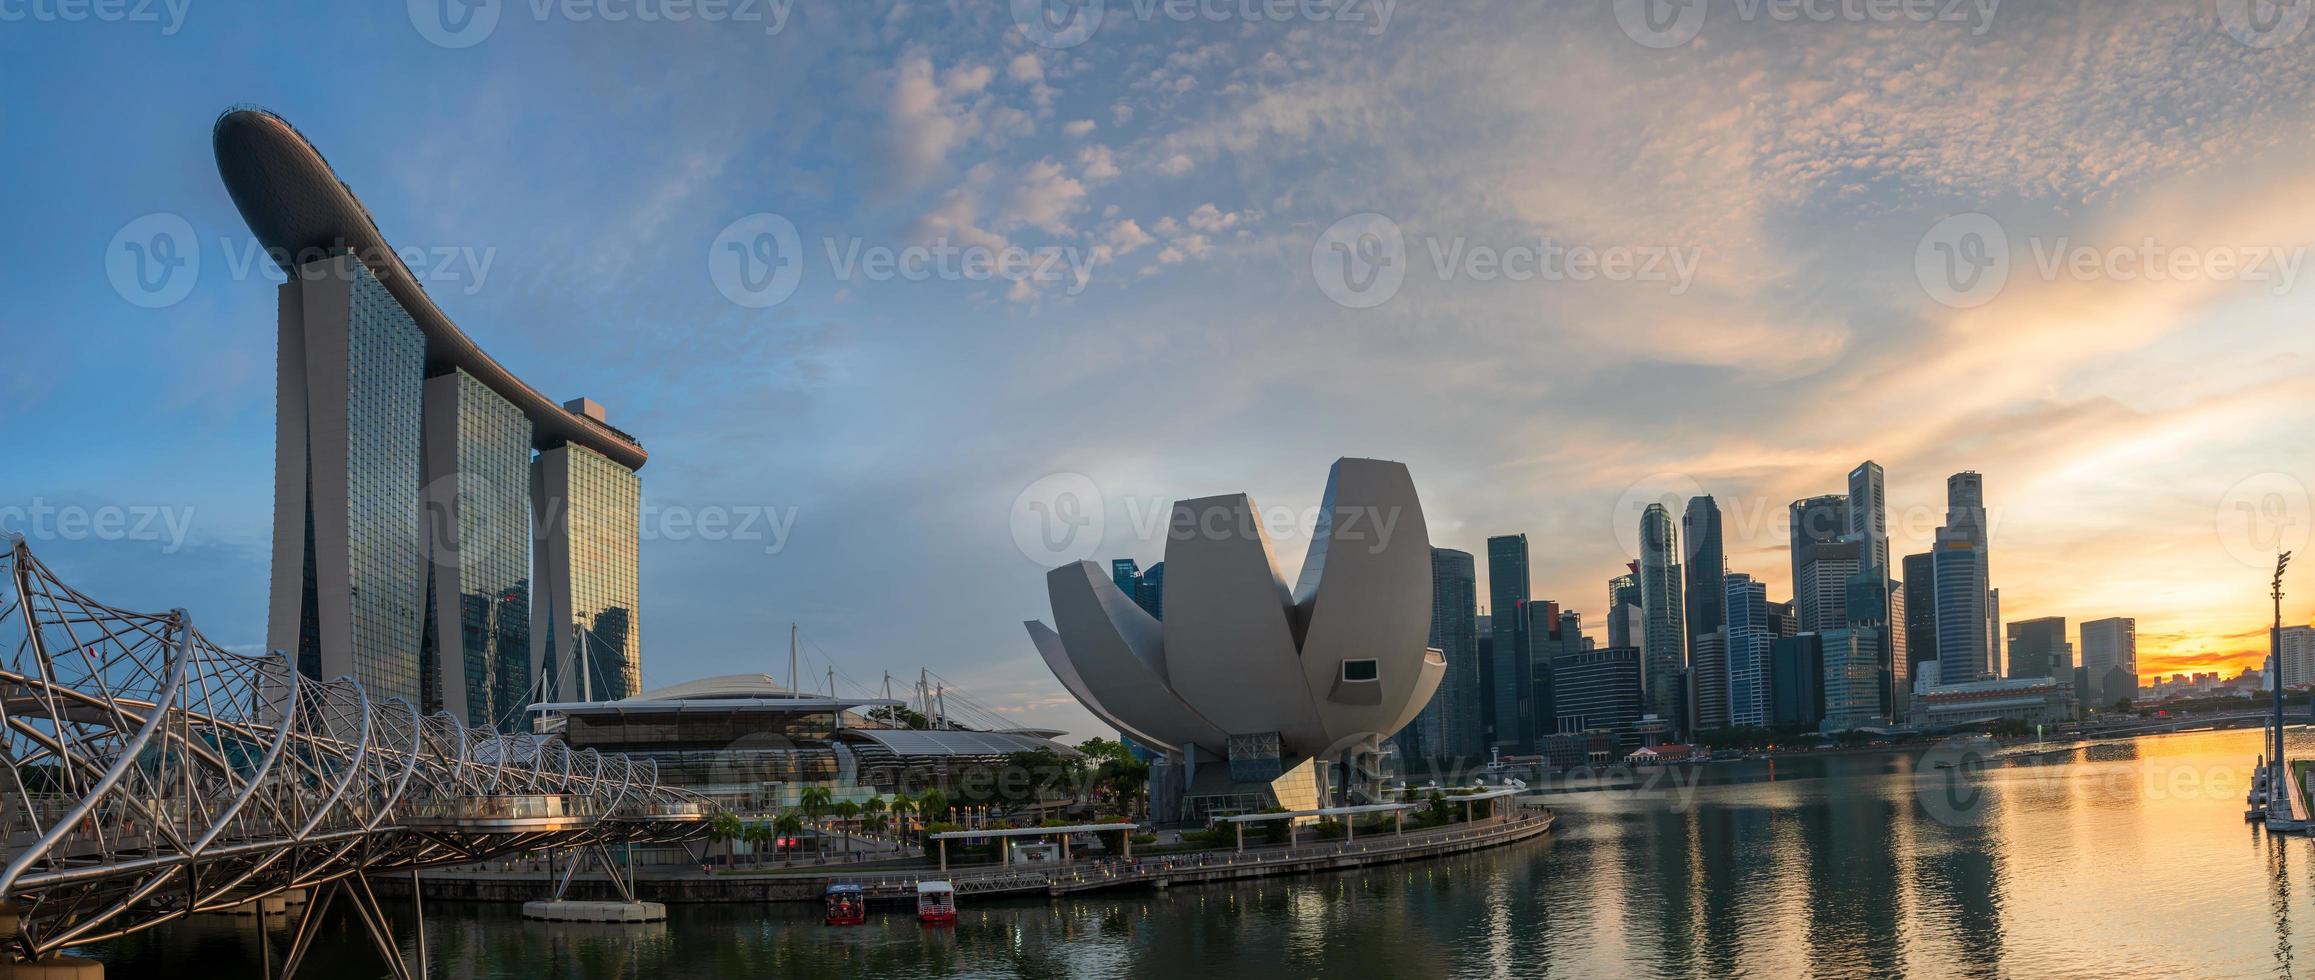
{"x":147,"y":773}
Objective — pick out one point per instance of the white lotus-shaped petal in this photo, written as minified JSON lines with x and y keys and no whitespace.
{"x":1340,"y":660}
{"x":1119,"y":658}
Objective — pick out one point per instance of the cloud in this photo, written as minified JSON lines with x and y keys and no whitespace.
{"x":1044,"y":197}
{"x":1099,"y":164}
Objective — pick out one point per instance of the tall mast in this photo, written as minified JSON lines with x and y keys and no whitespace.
{"x":795,"y":680}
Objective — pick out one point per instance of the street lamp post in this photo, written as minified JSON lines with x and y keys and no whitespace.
{"x":2275,"y":663}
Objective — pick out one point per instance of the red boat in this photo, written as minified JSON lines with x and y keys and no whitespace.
{"x":936,"y":903}
{"x":846,"y":906}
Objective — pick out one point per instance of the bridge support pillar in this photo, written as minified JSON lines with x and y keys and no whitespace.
{"x":57,"y":967}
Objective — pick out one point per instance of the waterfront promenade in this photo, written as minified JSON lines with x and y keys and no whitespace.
{"x":1092,"y":874}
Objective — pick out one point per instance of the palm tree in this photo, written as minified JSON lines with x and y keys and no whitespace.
{"x":815,"y":802}
{"x":847,"y":811}
{"x":757,"y":835}
{"x":903,"y":807}
{"x":724,"y":828}
{"x":789,"y":824}
{"x":933,"y":806}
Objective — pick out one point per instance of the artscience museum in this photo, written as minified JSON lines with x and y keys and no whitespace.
{"x":1260,"y":694}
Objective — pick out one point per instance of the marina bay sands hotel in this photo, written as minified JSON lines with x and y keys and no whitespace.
{"x":442,"y":531}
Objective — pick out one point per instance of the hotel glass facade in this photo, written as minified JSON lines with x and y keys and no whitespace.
{"x":385,"y":383}
{"x":589,"y":598}
{"x":479,"y":497}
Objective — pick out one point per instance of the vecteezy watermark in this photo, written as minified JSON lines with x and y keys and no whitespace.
{"x":155,"y":261}
{"x":2263,"y":514}
{"x":169,"y":14}
{"x":1960,"y":781}
{"x":1672,"y":23}
{"x":1065,"y":517}
{"x":1059,"y":518}
{"x":1069,"y":23}
{"x":1361,"y":261}
{"x":1671,"y":490}
{"x":1948,"y":781}
{"x":763,"y":523}
{"x":40,"y":520}
{"x":465,"y":23}
{"x":1965,"y":260}
{"x":758,"y":261}
{"x":2263,"y":23}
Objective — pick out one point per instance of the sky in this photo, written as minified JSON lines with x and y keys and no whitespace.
{"x":912,"y":301}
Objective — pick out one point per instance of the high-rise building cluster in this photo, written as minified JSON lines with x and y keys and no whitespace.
{"x":1868,"y":639}
{"x":443,"y":532}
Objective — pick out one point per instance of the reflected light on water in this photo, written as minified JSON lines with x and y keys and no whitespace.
{"x":2119,"y":859}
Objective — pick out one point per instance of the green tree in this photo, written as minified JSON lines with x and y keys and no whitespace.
{"x":724,"y":828}
{"x":899,"y":717}
{"x":758,"y":835}
{"x":789,"y":824}
{"x":815,"y":802}
{"x":1101,"y":750}
{"x":903,"y":807}
{"x":932,"y":807}
{"x":847,"y":812}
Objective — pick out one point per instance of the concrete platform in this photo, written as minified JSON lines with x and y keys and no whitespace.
{"x":52,"y":968}
{"x":595,"y":911}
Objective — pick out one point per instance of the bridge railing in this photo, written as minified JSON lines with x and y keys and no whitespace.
{"x":146,"y":772}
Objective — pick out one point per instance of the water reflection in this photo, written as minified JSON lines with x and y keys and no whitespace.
{"x":2112,"y":860}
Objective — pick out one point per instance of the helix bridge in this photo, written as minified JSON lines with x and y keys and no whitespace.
{"x":147,"y":774}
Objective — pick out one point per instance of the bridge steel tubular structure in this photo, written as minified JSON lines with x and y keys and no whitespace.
{"x":147,"y":773}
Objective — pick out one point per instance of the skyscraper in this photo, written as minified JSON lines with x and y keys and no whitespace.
{"x":1963,"y":596}
{"x":1551,"y":633}
{"x":1819,"y":523}
{"x":1749,"y":637}
{"x":1877,"y":604}
{"x":586,"y":622}
{"x":1920,"y":610}
{"x":1707,"y":652}
{"x":1150,"y":592}
{"x":1508,"y":676}
{"x":1797,"y":677}
{"x":1708,"y":668}
{"x":1997,"y":657}
{"x":1665,"y":642}
{"x":478,"y":647}
{"x":1599,"y":690}
{"x":2109,"y":645}
{"x":1454,"y":711}
{"x":1868,"y":514}
{"x":413,"y":538}
{"x":349,"y":565}
{"x":1852,"y":696}
{"x":1625,"y":623}
{"x":1126,"y":572}
{"x":1821,"y":583}
{"x":2038,"y":648}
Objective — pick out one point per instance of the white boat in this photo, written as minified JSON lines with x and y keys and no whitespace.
{"x":936,"y":902}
